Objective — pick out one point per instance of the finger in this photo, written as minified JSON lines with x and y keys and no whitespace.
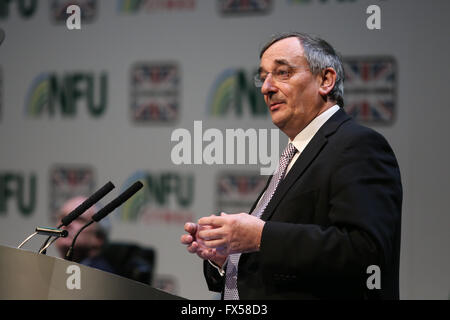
{"x":208,"y":253}
{"x":214,"y":221}
{"x":193,"y":247}
{"x":186,"y":239}
{"x":220,"y":243}
{"x":190,"y":227}
{"x":211,"y":234}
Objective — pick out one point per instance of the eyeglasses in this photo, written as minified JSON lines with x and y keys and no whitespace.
{"x":282,"y":73}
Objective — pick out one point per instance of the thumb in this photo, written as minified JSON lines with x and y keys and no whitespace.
{"x":223,"y":214}
{"x":190,"y":227}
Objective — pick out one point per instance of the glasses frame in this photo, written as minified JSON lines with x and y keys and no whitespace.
{"x":259,"y":83}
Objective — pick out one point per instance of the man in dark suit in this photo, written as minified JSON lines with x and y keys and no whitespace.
{"x":330,"y":214}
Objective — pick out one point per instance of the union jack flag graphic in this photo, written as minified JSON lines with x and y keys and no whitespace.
{"x":370,"y":89}
{"x":236,"y":191}
{"x":67,"y":182}
{"x":245,"y":6}
{"x":155,"y":92}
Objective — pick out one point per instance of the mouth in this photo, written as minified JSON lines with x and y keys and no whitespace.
{"x":275,"y":105}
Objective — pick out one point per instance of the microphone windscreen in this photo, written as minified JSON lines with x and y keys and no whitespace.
{"x":89,"y":202}
{"x":117,"y":201}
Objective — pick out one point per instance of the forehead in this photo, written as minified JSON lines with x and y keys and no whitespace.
{"x":71,"y":204}
{"x":289,"y":50}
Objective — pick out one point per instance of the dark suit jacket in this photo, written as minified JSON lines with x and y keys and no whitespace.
{"x":337,"y":212}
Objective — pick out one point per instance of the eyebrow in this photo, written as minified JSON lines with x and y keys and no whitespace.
{"x":282,"y":62}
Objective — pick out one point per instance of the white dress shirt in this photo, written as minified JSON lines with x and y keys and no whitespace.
{"x":305,"y":136}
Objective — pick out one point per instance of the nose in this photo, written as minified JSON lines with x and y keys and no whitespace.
{"x":268,"y":87}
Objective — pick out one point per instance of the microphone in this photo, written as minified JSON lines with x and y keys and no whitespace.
{"x":75,"y":213}
{"x":2,"y":36}
{"x":52,"y":232}
{"x":89,"y":202}
{"x":127,"y":194}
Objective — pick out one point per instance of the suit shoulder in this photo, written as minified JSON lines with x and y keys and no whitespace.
{"x":353,"y":132}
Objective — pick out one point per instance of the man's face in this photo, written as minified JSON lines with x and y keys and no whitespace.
{"x":293,"y":103}
{"x":88,"y":239}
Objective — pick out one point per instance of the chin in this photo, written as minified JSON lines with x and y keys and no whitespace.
{"x":278,"y":121}
{"x":64,"y":244}
{"x":279,"y":124}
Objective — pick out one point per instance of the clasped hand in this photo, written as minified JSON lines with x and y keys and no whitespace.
{"x":215,"y":237}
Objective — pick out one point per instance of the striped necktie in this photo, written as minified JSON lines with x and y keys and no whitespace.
{"x":231,"y":291}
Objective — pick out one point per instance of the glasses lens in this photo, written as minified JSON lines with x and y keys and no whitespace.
{"x":258,"y":81}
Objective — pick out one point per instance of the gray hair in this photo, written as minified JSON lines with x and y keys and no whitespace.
{"x":320,"y":55}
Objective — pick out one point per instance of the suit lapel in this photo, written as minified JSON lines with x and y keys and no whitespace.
{"x":304,"y":160}
{"x":260,"y":195}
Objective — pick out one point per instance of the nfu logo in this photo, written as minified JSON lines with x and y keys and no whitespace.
{"x":22,"y":187}
{"x":167,"y":198}
{"x":50,"y":93}
{"x":25,"y":8}
{"x":232,"y":90}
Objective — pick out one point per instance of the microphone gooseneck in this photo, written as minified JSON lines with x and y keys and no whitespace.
{"x":50,"y":232}
{"x":83,"y":207}
{"x":69,"y":254}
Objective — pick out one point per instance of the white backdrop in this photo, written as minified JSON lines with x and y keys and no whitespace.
{"x":199,"y":43}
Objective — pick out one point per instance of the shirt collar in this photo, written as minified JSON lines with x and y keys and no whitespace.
{"x":303,"y":137}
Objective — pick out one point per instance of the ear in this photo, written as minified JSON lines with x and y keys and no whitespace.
{"x":327,"y":81}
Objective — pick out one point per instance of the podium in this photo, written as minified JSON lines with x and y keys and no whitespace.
{"x":26,"y":275}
